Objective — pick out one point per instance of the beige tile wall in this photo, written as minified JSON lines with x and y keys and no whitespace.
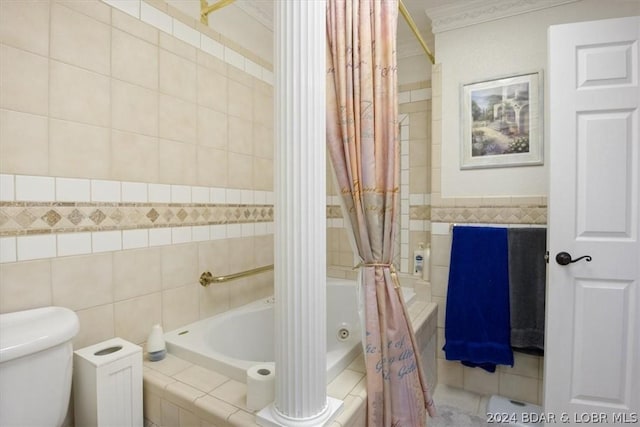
{"x":419,"y":113}
{"x":106,"y":92}
{"x":126,"y":292}
{"x":87,"y":91}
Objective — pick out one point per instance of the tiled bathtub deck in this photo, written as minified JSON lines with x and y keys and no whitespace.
{"x":178,"y":393}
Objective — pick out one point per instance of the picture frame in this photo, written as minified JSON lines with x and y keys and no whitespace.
{"x":502,"y":122}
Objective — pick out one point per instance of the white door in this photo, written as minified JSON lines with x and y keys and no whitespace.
{"x":592,"y":357}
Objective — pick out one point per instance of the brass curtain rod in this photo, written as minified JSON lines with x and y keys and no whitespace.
{"x":207,"y":278}
{"x":206,"y":9}
{"x":407,"y":17}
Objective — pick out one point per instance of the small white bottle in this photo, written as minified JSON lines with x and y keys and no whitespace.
{"x":418,"y":260}
{"x":156,"y":348}
{"x":425,"y":263}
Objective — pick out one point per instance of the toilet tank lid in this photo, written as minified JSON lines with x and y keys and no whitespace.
{"x":29,"y":331}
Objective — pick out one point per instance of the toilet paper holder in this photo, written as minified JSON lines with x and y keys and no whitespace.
{"x":111,"y":368}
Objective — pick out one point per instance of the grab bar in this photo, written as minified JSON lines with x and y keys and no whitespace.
{"x":207,"y":278}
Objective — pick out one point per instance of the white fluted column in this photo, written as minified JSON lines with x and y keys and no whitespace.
{"x":300,"y":219}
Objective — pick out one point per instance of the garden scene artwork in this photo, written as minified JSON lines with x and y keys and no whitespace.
{"x":501,"y":122}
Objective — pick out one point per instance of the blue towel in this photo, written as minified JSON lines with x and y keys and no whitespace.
{"x":477,"y":329}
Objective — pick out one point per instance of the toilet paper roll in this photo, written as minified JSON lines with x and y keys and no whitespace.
{"x":260,"y":385}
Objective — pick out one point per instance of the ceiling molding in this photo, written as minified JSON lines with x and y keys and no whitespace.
{"x":465,"y":13}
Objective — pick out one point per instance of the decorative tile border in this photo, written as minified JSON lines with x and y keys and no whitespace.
{"x":491,"y":214}
{"x":334,"y":211}
{"x":28,"y":218}
{"x":420,"y":212}
{"x":43,"y":205}
{"x":416,"y":212}
{"x":47,"y":217}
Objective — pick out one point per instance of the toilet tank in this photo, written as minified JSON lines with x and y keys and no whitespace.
{"x":36,"y":357}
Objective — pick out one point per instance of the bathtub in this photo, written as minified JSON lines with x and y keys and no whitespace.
{"x":232,"y":342}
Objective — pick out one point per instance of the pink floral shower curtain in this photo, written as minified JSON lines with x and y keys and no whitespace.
{"x":362,"y":139}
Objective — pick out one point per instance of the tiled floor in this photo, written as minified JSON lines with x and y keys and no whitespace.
{"x":469,"y":402}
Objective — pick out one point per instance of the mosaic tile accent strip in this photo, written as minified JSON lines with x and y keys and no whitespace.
{"x":422,"y":212}
{"x":334,"y":211}
{"x":491,"y":214}
{"x":21,"y":218}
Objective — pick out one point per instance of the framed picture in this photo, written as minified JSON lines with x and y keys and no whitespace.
{"x":502,"y":122}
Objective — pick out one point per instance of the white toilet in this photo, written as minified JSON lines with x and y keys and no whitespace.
{"x":36,"y":358}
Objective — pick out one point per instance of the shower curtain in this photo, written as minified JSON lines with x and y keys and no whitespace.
{"x":362,"y":140}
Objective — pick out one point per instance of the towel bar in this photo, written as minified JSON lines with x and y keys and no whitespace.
{"x":207,"y":278}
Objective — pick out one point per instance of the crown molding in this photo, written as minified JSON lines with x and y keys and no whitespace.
{"x":465,"y":13}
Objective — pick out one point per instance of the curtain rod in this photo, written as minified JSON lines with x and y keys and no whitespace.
{"x":205,"y":10}
{"x":407,"y":17}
